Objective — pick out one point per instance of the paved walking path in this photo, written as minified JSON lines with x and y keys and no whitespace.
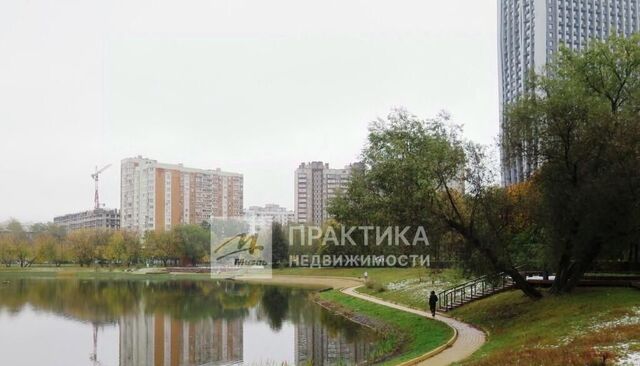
{"x":468,"y":341}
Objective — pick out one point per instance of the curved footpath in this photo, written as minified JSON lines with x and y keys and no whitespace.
{"x":468,"y":339}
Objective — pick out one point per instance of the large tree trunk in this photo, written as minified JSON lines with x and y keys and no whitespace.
{"x":574,"y":272}
{"x":563,"y":272}
{"x":522,"y":283}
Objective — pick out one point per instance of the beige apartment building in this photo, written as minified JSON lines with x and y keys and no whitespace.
{"x":158,"y":196}
{"x":315,"y":186}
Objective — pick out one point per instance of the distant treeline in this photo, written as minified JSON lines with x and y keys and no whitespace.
{"x":50,"y":244}
{"x":183,"y":245}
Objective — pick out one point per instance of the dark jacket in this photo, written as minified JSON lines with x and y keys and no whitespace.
{"x":433,"y":299}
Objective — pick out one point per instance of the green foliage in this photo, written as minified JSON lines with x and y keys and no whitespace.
{"x":279,"y":244}
{"x":421,"y":173}
{"x":405,"y":159}
{"x":193,"y":242}
{"x":581,"y":129}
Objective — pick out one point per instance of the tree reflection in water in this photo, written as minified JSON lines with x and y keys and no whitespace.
{"x":193,"y":322}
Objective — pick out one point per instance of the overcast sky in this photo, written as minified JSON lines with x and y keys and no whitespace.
{"x":249,"y":86}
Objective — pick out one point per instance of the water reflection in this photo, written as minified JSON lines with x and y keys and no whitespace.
{"x":173,"y":323}
{"x":161,"y":340}
{"x":317,"y":345}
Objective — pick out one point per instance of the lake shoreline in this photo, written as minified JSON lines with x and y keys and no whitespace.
{"x":319,"y":283}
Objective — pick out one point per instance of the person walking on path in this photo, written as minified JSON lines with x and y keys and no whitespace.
{"x":433,"y":300}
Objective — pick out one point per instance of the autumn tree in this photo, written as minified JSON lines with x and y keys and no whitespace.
{"x":7,"y":251}
{"x":82,"y":246}
{"x":160,"y":246}
{"x":116,"y":250}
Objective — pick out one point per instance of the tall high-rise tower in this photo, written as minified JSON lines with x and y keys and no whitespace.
{"x":532,"y":31}
{"x":315,"y":186}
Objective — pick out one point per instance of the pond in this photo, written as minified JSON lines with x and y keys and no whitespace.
{"x":70,"y":322}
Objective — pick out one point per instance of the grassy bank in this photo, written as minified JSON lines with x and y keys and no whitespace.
{"x":584,"y":328}
{"x":406,"y":286}
{"x":412,"y":290}
{"x":92,"y":273}
{"x":413,"y":335}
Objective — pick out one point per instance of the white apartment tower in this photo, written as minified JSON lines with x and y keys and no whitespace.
{"x":315,"y":186}
{"x":157,"y":196}
{"x":531,"y":32}
{"x":262,"y":217}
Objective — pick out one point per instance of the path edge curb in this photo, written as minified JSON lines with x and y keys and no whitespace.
{"x":433,"y":352}
{"x":422,"y":357}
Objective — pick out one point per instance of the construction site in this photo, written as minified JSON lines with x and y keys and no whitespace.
{"x":99,"y":217}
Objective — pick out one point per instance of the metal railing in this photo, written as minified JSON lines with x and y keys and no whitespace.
{"x":480,"y":287}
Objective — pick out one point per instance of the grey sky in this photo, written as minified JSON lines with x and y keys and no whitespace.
{"x":251,"y":86}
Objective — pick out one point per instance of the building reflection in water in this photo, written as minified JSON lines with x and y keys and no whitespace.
{"x":316,"y":344}
{"x":159,"y":340}
{"x":178,"y":323}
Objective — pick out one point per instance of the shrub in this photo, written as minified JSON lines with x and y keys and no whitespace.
{"x":375,"y":286}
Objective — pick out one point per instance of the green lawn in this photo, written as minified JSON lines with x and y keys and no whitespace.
{"x":577,"y":329}
{"x":406,"y":286}
{"x":413,"y":290}
{"x":420,"y":334}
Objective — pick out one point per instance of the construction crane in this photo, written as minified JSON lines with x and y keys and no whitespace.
{"x":95,"y":177}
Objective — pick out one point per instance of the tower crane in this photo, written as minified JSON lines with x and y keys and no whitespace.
{"x":95,"y":177}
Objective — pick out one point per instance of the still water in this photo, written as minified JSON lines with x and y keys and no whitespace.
{"x":70,"y":322}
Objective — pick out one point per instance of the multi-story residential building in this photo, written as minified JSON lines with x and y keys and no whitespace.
{"x":315,"y":186}
{"x":157,"y":196}
{"x":531,"y":32}
{"x":101,"y":218}
{"x":262,"y":217}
